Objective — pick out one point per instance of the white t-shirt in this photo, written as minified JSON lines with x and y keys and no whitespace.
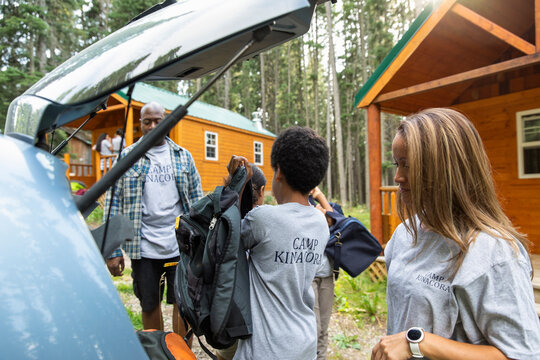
{"x":489,"y":301}
{"x":160,"y":206}
{"x":287,"y":244}
{"x":116,"y":144}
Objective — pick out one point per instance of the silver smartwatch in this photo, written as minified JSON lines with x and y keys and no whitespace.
{"x":414,"y":336}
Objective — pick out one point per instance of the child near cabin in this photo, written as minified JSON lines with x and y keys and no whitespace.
{"x":286,"y":244}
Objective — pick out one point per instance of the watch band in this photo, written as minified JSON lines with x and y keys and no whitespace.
{"x":414,"y":336}
{"x":415,"y":349}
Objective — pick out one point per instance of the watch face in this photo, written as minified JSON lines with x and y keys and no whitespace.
{"x":414,"y":334}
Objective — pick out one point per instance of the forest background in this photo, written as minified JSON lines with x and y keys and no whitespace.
{"x":310,"y":81}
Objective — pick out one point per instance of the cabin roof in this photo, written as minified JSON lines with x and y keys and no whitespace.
{"x":450,"y":51}
{"x":388,"y":59}
{"x":145,"y":93}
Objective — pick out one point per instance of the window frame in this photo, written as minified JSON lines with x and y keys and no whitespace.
{"x":521,"y":144}
{"x":206,"y":145}
{"x":255,"y":153}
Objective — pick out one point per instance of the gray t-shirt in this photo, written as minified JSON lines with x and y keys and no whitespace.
{"x":160,"y":206}
{"x":286,"y":245}
{"x":105,"y":147}
{"x":489,"y":301}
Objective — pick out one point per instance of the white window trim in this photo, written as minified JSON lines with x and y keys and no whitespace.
{"x":255,"y":153}
{"x":520,"y":145}
{"x":206,"y":146}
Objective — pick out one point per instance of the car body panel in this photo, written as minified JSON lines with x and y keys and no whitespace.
{"x":56,"y":295}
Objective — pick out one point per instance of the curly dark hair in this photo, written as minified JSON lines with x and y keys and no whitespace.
{"x":302,"y":157}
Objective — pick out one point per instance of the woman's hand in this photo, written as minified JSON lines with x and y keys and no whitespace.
{"x":392,"y":347}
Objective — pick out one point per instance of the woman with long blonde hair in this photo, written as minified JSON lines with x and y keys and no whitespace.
{"x":459,"y":273}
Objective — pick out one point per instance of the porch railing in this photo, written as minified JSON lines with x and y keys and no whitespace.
{"x":390,"y":218}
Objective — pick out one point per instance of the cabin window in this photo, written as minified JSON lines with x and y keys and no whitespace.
{"x":211,"y":145}
{"x":528,"y":141}
{"x":258,"y":152}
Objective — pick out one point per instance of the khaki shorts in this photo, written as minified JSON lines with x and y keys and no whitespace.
{"x":228,"y":353}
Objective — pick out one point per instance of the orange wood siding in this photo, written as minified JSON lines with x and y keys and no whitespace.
{"x":495,"y":120}
{"x":231,"y":141}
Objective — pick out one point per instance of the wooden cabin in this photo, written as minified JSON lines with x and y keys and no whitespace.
{"x":212,"y":134}
{"x":481,"y":57}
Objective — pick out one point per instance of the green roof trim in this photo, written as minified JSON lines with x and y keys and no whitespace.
{"x":418,"y":22}
{"x":145,"y":93}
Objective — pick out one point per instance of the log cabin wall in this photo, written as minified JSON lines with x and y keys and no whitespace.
{"x":495,"y":119}
{"x":231,"y":141}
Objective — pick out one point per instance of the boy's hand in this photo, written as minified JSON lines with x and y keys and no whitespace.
{"x":316,"y":193}
{"x":238,"y":161}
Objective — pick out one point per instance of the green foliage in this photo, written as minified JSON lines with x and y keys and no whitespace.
{"x":360,"y":212}
{"x":346,"y":341}
{"x":360,"y":297}
{"x":95,"y":217}
{"x":136,"y":319}
{"x":122,"y":11}
{"x":125,"y":288}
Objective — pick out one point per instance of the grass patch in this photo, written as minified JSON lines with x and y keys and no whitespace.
{"x":95,"y":218}
{"x":360,"y":212}
{"x":136,"y":319}
{"x":125,"y":288}
{"x":361,"y":298}
{"x":345,"y":342}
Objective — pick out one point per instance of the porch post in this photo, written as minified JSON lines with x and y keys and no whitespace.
{"x":374,"y":153}
{"x":129,"y":127}
{"x":537,"y":24}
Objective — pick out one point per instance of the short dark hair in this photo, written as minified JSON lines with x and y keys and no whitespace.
{"x":302,"y":157}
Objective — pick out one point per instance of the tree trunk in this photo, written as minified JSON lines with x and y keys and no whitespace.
{"x":350,"y":170}
{"x":364,"y":62}
{"x":289,"y":78}
{"x":337,"y":109}
{"x":227,"y":90}
{"x":316,"y":77}
{"x":276,"y":91}
{"x":329,"y":138}
{"x":263,"y":91}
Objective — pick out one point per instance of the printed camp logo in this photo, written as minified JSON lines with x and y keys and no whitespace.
{"x":160,"y":174}
{"x":434,"y":280}
{"x":304,"y":252}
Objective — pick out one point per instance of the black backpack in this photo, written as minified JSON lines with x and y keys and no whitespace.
{"x":212,"y":280}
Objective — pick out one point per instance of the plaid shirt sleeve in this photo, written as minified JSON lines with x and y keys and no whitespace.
{"x":194,"y":181}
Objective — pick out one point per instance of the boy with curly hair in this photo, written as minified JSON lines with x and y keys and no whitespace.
{"x":286,"y":243}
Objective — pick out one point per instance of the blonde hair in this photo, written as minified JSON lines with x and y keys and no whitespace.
{"x":451,"y":186}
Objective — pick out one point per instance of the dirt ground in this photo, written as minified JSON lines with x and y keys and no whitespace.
{"x":356,"y":339}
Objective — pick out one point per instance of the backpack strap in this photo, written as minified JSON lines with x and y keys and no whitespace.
{"x":337,"y":254}
{"x":205,"y":349}
{"x":238,"y":179}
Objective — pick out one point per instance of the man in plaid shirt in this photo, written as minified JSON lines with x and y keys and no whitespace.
{"x":160,"y":186}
